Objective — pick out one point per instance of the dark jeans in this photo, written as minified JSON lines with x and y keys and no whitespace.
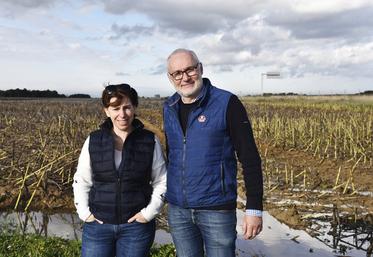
{"x":196,"y":231}
{"x":124,"y":240}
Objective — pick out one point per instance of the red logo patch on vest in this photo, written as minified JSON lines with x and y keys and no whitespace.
{"x":202,"y":118}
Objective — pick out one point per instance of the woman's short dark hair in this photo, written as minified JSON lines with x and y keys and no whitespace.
{"x":119,"y":91}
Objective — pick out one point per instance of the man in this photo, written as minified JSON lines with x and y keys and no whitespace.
{"x":205,"y":128}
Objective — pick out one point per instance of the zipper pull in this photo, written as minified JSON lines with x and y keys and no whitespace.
{"x":184,"y":140}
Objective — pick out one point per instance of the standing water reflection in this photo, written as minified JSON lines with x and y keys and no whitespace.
{"x":277,"y":239}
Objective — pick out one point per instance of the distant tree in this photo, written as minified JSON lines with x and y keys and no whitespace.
{"x":280,"y":94}
{"x":368,"y":92}
{"x":79,"y":96}
{"x":267,"y":94}
{"x":30,"y":93}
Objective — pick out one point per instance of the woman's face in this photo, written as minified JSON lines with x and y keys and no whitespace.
{"x":121,"y":115}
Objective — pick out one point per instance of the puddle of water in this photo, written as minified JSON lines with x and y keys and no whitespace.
{"x":64,"y":225}
{"x":329,"y":191}
{"x":346,"y":238}
{"x":276,"y":239}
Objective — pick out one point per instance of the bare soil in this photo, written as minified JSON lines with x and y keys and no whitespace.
{"x":297,"y":206}
{"x":292,"y":205}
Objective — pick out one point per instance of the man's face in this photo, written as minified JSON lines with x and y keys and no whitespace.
{"x":185,"y":74}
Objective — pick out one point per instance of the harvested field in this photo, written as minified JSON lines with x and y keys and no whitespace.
{"x":317,"y":155}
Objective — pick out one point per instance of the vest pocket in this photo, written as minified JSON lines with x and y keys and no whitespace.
{"x":222,"y":178}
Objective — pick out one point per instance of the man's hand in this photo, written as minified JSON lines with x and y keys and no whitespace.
{"x":137,"y":217}
{"x":252,"y":226}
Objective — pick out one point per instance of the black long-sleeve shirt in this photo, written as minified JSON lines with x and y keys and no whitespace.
{"x":240,"y":131}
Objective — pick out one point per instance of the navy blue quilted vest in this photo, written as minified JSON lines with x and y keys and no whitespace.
{"x":116,"y":195}
{"x":202,"y":166}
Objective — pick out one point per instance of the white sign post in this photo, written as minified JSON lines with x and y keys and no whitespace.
{"x":270,"y":75}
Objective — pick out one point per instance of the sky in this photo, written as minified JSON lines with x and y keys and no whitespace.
{"x":74,"y":46}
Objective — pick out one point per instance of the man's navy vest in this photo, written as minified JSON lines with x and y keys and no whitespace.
{"x":202,"y":166}
{"x":117,"y":195}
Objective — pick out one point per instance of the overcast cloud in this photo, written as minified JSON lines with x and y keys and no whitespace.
{"x":131,"y":39}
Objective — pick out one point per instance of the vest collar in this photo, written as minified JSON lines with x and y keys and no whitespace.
{"x":108,"y":125}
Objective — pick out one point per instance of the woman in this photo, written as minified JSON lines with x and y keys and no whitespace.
{"x":120,"y":181}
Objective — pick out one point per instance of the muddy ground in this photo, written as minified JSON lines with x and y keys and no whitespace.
{"x":298,"y":203}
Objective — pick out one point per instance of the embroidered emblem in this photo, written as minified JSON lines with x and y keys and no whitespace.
{"x":202,"y":118}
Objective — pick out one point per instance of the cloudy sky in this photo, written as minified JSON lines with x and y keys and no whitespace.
{"x":75,"y":46}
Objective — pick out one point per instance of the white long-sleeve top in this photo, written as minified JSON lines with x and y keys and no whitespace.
{"x":83,"y":182}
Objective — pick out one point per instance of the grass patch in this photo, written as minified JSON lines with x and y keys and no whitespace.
{"x":167,"y":250}
{"x":18,"y":245}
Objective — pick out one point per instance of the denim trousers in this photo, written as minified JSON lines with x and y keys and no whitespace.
{"x":123,"y":240}
{"x":197,"y":233}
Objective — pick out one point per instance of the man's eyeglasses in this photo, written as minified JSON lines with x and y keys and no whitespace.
{"x":190,"y":71}
{"x":110,"y":89}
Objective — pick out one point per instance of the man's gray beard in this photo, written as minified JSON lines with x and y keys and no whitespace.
{"x":199,"y":88}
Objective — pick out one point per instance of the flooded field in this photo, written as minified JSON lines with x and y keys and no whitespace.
{"x":317,"y":156}
{"x":277,"y":239}
{"x":64,"y":225}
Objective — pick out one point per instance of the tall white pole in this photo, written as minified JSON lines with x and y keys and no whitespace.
{"x":262,"y":83}
{"x":269,"y":75}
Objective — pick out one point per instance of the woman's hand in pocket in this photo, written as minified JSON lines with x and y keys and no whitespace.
{"x":138,"y":217}
{"x":91,"y":218}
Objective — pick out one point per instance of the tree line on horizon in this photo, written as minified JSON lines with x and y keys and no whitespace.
{"x":38,"y":93}
{"x":54,"y":94}
{"x":367,"y":92}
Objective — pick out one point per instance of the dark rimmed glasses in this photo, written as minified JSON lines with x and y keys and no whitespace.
{"x":110,"y":89}
{"x":190,"y":71}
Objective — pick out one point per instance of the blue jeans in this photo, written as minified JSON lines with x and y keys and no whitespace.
{"x":123,"y":240}
{"x":195,"y":232}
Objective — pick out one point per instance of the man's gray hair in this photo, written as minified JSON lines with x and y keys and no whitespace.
{"x":183,"y":50}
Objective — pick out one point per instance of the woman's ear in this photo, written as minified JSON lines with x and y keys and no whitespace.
{"x":106,"y":110}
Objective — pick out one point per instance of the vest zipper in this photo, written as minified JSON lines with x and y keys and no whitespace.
{"x":184,"y":154}
{"x":119,"y":182}
{"x":184,"y":198}
{"x":119,"y":198}
{"x":183,"y":171}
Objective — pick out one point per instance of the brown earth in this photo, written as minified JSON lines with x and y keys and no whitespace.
{"x":52,"y":201}
{"x":321,"y":195}
{"x":323,"y":172}
{"x":321,"y":175}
